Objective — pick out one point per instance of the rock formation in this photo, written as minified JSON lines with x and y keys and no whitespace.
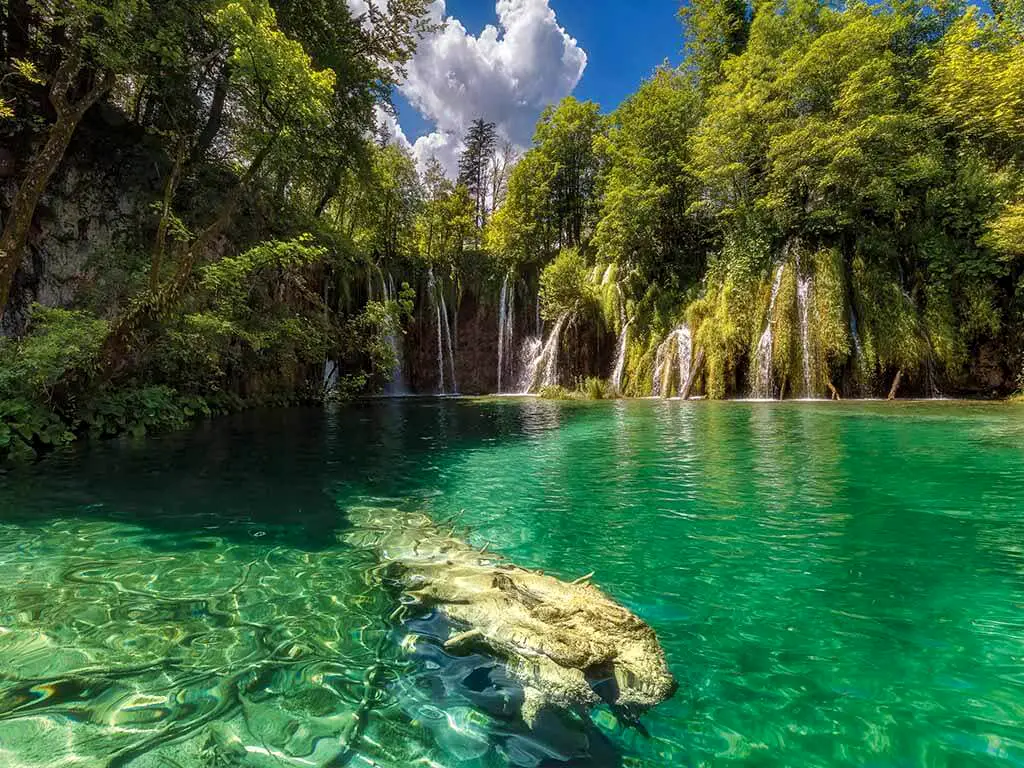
{"x":567,"y":643}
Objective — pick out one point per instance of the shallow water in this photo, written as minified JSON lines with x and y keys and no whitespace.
{"x":835,"y":584}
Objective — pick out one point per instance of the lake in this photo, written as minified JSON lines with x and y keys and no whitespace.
{"x":834,"y":584}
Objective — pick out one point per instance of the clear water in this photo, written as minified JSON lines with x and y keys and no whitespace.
{"x":835,"y":584}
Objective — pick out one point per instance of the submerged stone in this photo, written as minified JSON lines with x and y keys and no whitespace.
{"x":567,"y":643}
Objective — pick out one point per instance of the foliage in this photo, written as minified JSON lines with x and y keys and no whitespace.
{"x":565,"y":288}
{"x":647,"y":187}
{"x":551,"y":201}
{"x":590,"y":388}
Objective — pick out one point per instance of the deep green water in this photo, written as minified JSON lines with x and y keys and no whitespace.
{"x":835,"y":584}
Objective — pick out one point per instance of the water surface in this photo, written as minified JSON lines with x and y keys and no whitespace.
{"x":835,"y":584}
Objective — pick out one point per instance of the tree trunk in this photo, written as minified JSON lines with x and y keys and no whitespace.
{"x":895,"y":384}
{"x":684,"y":393}
{"x":834,"y":391}
{"x":160,"y":245}
{"x":215,"y":119}
{"x":42,"y":167}
{"x":331,"y":190}
{"x":157,"y":303}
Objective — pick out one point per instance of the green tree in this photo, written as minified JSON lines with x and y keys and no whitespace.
{"x":474,"y":164}
{"x":91,"y":43}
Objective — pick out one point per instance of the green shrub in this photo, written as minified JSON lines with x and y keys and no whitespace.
{"x":565,"y":287}
{"x":595,"y":388}
{"x":555,"y":392}
{"x":139,"y":411}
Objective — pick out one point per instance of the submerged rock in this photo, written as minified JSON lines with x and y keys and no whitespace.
{"x":567,"y":643}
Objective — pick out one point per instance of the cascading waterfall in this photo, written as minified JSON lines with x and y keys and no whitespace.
{"x":330,"y":376}
{"x":506,"y":330}
{"x":620,"y":357}
{"x":396,"y":386}
{"x":858,"y":350}
{"x":763,"y":380}
{"x":528,"y":356}
{"x":448,"y":343}
{"x":803,"y":293}
{"x":676,"y":351}
{"x":543,"y":368}
{"x":446,"y":382}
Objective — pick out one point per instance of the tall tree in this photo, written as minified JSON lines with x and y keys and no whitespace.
{"x":714,"y":31}
{"x":474,"y":165}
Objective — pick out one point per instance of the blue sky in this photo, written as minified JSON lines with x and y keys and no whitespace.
{"x":465,"y":71}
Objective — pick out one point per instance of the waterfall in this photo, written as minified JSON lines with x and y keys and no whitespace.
{"x":506,"y":329}
{"x":803,"y":292}
{"x":858,"y":350}
{"x":676,"y":351}
{"x":528,"y":357}
{"x":393,"y":338}
{"x":330,"y":376}
{"x":443,"y":308}
{"x":684,"y":354}
{"x":763,"y":384}
{"x":444,"y":338}
{"x":543,"y":368}
{"x":620,"y":357}
{"x":440,"y":341}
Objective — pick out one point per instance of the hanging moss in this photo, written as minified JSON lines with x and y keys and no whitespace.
{"x":888,"y":319}
{"x":721,"y":322}
{"x":830,"y":328}
{"x":786,"y":352}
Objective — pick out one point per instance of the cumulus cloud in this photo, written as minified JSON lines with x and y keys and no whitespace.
{"x":387,"y":122}
{"x":506,"y":75}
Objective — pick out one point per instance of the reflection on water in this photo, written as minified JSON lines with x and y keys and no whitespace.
{"x":834,"y":584}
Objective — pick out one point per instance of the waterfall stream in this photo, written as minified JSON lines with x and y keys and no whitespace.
{"x":803,"y":293}
{"x":396,"y":386}
{"x":763,"y":380}
{"x":448,"y":344}
{"x":620,"y":357}
{"x":446,"y":381}
{"x":674,"y":353}
{"x":542,"y":370}
{"x":506,"y":331}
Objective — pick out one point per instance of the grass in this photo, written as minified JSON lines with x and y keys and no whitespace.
{"x":588,"y":389}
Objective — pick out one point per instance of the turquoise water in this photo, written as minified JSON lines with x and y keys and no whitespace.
{"x":834,"y":584}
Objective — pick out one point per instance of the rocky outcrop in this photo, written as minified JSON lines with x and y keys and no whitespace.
{"x":94,"y":211}
{"x":567,"y":643}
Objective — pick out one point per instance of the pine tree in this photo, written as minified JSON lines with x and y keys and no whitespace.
{"x":474,"y":165}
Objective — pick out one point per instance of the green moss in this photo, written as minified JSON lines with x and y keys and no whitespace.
{"x":829,"y":314}
{"x":888,"y":319}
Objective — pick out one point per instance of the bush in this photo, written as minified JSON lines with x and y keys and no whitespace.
{"x":588,"y":389}
{"x":595,"y":388}
{"x":138,"y":411}
{"x":564,"y":286}
{"x":555,"y":392}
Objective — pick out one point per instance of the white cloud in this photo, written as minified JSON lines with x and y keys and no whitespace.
{"x":506,"y":75}
{"x":446,"y":147}
{"x":387,"y":122}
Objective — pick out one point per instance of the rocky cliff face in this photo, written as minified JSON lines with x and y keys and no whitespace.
{"x":96,"y":205}
{"x":474,"y":334}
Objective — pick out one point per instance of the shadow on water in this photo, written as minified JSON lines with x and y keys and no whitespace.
{"x":278,"y":475}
